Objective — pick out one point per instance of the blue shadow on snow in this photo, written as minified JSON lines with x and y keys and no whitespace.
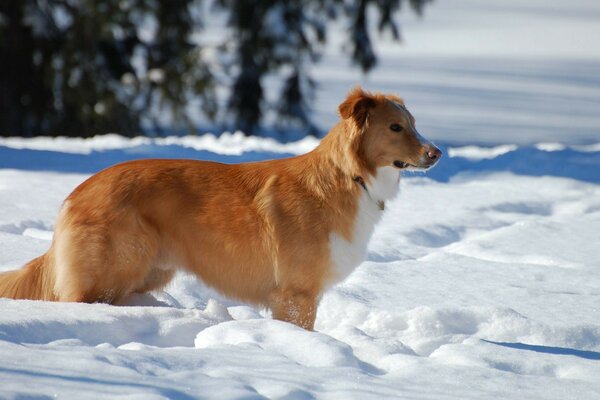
{"x":45,"y":160}
{"x":589,"y":355}
{"x":568,"y":163}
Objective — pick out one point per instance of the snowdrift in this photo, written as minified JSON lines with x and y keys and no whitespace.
{"x":482,"y":280}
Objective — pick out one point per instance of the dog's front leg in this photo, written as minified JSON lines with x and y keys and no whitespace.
{"x":296,"y":306}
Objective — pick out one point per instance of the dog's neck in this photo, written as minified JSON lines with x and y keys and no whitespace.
{"x":383,"y":185}
{"x":339,"y":148}
{"x":339,"y":151}
{"x":361,"y":182}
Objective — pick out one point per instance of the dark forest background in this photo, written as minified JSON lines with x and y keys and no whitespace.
{"x":87,"y":67}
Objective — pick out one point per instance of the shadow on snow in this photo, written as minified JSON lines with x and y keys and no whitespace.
{"x":569,"y":163}
{"x":589,"y":355}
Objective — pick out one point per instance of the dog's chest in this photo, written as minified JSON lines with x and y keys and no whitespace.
{"x":345,"y":254}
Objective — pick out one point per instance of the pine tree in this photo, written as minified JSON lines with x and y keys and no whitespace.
{"x":284,"y":36}
{"x":80,"y":68}
{"x":86,"y":67}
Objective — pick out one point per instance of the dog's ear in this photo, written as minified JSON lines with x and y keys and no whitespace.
{"x":357,"y":106}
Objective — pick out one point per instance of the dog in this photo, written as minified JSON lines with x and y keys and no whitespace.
{"x":275,"y":233}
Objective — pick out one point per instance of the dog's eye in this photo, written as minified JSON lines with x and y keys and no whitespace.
{"x":396,"y":127}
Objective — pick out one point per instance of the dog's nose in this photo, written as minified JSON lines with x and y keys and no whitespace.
{"x":434,"y":153}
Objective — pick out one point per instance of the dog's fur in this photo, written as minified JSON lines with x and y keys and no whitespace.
{"x":274,"y":233}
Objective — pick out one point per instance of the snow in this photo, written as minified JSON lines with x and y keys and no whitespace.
{"x":478,"y":152}
{"x":481,"y":279}
{"x":480,"y":72}
{"x":477,"y":284}
{"x":226,"y":143}
{"x":511,"y":28}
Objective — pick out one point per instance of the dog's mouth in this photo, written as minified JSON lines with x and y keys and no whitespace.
{"x":401,"y":164}
{"x":404,"y":165}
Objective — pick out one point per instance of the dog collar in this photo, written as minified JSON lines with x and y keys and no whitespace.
{"x":359,"y":179}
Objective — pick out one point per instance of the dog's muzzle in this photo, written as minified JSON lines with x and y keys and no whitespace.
{"x":430,"y":157}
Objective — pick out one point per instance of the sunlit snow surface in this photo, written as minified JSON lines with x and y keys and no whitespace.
{"x":478,"y":283}
{"x":482,"y":280}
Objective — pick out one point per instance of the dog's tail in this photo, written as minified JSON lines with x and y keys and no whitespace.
{"x":35,"y":281}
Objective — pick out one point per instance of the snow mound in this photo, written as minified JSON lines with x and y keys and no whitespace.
{"x":479,"y":152}
{"x":227,"y":143}
{"x":96,"y":324}
{"x":311,"y":349}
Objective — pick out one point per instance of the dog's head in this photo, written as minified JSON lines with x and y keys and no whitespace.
{"x":383,"y":133}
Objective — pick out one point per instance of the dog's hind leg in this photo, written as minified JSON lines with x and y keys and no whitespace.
{"x":73,"y":265}
{"x":104,"y":263}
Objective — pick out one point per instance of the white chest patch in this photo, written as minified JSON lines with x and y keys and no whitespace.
{"x":347,"y":255}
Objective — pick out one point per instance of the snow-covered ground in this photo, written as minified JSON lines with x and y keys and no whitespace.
{"x":482,"y":280}
{"x":478,"y":284}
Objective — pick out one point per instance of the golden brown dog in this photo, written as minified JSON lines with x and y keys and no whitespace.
{"x":275,"y":233}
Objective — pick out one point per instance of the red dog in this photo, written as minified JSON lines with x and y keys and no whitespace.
{"x":274,"y":233}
